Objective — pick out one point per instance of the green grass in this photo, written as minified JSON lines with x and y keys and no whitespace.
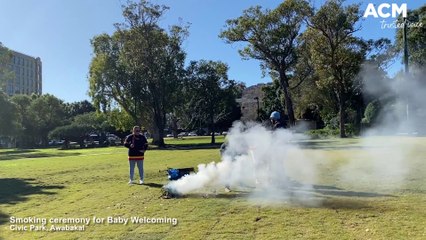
{"x":199,"y":142}
{"x":52,"y":183}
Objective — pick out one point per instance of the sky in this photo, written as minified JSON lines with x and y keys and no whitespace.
{"x":59,"y":32}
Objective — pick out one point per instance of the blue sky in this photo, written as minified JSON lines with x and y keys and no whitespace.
{"x":59,"y":32}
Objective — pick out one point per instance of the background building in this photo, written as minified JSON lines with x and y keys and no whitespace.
{"x":251,"y":101}
{"x":27,"y":75}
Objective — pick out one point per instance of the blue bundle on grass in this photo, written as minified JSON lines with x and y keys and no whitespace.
{"x":174,"y":174}
{"x":177,"y":173}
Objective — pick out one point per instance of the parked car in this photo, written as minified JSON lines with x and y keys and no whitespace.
{"x":192,"y":134}
{"x":112,"y":138}
{"x":169,"y":135}
{"x":182,"y":134}
{"x":56,"y":142}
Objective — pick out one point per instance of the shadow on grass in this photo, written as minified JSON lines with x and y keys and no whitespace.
{"x":190,"y":146}
{"x":318,"y":196}
{"x":153,"y":185}
{"x":342,"y":203}
{"x":3,"y":218}
{"x":229,"y":195}
{"x":24,"y":154}
{"x":14,"y":190}
{"x":334,"y":191}
{"x":330,"y":145}
{"x":16,"y":151}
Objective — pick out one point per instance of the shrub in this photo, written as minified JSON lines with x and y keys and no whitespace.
{"x":371,"y":112}
{"x":323,"y":133}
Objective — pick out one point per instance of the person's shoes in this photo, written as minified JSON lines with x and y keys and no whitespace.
{"x":130,"y":182}
{"x":140,"y":182}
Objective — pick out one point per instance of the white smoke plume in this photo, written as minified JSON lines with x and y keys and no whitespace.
{"x":385,"y":149}
{"x":402,"y":100}
{"x":274,"y":166}
{"x":268,"y":163}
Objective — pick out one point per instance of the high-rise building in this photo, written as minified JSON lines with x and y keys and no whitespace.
{"x":27,"y":77}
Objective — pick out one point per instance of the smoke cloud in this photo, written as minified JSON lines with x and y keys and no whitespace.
{"x":401,"y":101}
{"x":387,"y":147}
{"x":275,"y":166}
{"x":268,"y":163}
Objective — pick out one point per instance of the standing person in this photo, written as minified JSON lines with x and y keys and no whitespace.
{"x":276,"y":120}
{"x":137,"y":145}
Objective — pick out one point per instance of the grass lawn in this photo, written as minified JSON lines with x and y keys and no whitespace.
{"x":88,"y":183}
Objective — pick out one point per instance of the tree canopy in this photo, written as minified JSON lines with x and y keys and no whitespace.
{"x":337,"y":54}
{"x":139,"y":67}
{"x":416,"y":36}
{"x":212,"y":96}
{"x":8,"y":116}
{"x":5,"y":73}
{"x":271,"y":37}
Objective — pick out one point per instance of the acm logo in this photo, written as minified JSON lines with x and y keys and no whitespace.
{"x":385,"y":10}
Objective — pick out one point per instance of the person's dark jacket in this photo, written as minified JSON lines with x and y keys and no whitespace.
{"x":279,"y":125}
{"x":140,"y":146}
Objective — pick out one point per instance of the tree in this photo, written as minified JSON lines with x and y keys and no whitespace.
{"x":98,"y":121}
{"x":371,"y":113}
{"x":78,"y":108}
{"x":272,"y":100}
{"x":271,"y":38}
{"x":173,"y":123}
{"x":416,"y":36}
{"x":8,"y":116}
{"x":212,"y":94}
{"x":139,"y":67}
{"x":376,"y":84}
{"x":231,"y":91}
{"x":381,"y":53}
{"x":28,"y":133}
{"x":72,"y":132}
{"x":120,"y":119}
{"x":5,"y":73}
{"x":48,"y":112}
{"x":81,"y":127}
{"x":337,"y":54}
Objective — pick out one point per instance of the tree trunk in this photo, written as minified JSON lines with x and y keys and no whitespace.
{"x":289,"y":107}
{"x":66,"y":144}
{"x":158,"y":126}
{"x":342,"y":109}
{"x":175,"y":126}
{"x":158,"y":137}
{"x":44,"y":141}
{"x":212,"y":131}
{"x":359,"y":113}
{"x":213,"y":140}
{"x":160,"y":141}
{"x":288,"y":100}
{"x":81,"y":142}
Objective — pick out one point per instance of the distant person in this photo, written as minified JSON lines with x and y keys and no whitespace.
{"x":276,"y":120}
{"x":137,"y":145}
